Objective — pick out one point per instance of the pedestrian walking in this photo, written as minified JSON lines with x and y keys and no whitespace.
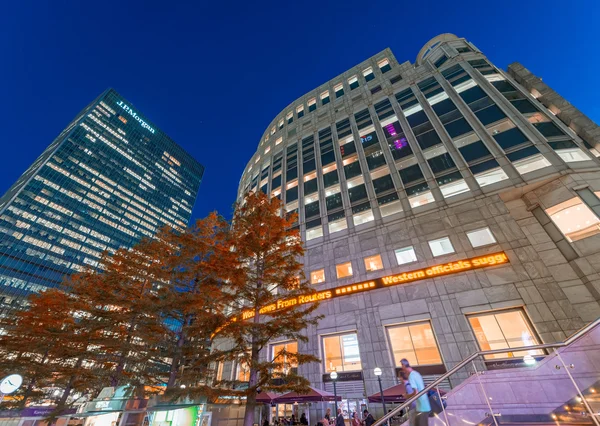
{"x":339,"y":419}
{"x":368,"y":418}
{"x":419,"y":412}
{"x":303,"y":419}
{"x":355,"y":419}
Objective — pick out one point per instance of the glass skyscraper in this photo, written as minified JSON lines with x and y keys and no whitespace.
{"x":108,"y":180}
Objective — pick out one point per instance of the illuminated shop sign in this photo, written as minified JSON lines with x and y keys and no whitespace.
{"x":390,"y":280}
{"x":134,"y":115}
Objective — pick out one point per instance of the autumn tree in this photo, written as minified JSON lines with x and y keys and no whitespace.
{"x":47,"y":346}
{"x":268,"y":250}
{"x":193,"y":267}
{"x":117,"y":305}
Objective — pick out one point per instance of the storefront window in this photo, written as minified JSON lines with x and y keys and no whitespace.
{"x":574,"y":219}
{"x":504,"y":329}
{"x":415,"y":342}
{"x":279,"y":354}
{"x":341,"y":353}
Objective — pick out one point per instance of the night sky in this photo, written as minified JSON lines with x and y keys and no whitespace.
{"x":213,"y":74}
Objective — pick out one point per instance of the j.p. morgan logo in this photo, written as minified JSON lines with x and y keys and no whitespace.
{"x":134,"y":115}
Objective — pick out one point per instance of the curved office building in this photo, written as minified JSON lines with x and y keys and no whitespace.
{"x":446,"y":205}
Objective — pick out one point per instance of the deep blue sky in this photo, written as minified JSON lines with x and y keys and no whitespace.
{"x":213,"y":74}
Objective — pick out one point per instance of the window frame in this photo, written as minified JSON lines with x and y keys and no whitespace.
{"x":337,"y":273}
{"x":495,"y":241}
{"x":409,"y":324}
{"x":339,"y":336}
{"x":447,"y":237}
{"x":494,"y":312}
{"x":406,"y":263}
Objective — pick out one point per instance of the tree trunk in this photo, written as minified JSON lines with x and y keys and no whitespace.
{"x":116,"y":377}
{"x":22,"y":404}
{"x":251,"y":397}
{"x":177,"y":358}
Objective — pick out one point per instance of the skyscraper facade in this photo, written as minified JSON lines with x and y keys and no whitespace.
{"x":108,"y":180}
{"x":447,"y":206}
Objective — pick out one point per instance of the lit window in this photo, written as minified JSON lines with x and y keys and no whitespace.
{"x":267,"y":149}
{"x":280,"y":124}
{"x":531,"y":164}
{"x":384,"y":65}
{"x":325,"y":97}
{"x":504,"y":329}
{"x":574,"y":219}
{"x":454,"y":188}
{"x":373,"y":263}
{"x":338,"y":225}
{"x":421,"y":199}
{"x":280,"y":353}
{"x":490,"y":177}
{"x":289,"y":117}
{"x":317,"y":277}
{"x":363,"y":217}
{"x":341,"y":353}
{"x":339,"y":90}
{"x":405,"y":255}
{"x":568,"y":151}
{"x":242,"y":373}
{"x":300,"y":111}
{"x":353,"y":82}
{"x":344,"y":270}
{"x":414,"y":342}
{"x":390,"y":208}
{"x":441,"y":246}
{"x":278,"y":140}
{"x":272,"y":129}
{"x":311,"y":234}
{"x":312,"y":104}
{"x":481,"y":237}
{"x":368,"y":74}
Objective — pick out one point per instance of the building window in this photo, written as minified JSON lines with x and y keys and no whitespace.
{"x":344,"y":270}
{"x":353,"y":82}
{"x":568,"y":151}
{"x":415,"y":342}
{"x":278,"y":140}
{"x":300,"y":111}
{"x":574,"y":219}
{"x":504,"y":329}
{"x":289,"y":117}
{"x":325,"y":97}
{"x":491,"y":176}
{"x":441,"y":246}
{"x":481,"y":237}
{"x":405,"y":255}
{"x":280,"y":354}
{"x":373,"y":263}
{"x":339,"y":90}
{"x":384,"y":65}
{"x":280,"y":124}
{"x":368,"y":74}
{"x":338,"y":225}
{"x":312,"y":104}
{"x":528,"y":159}
{"x":311,"y":234}
{"x":341,"y":353}
{"x":317,"y":277}
{"x":363,"y":217}
{"x":242,"y":373}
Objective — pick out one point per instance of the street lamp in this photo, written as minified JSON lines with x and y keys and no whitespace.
{"x":377,"y":373}
{"x":334,"y":375}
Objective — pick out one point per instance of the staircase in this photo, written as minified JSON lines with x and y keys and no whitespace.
{"x":561,"y":389}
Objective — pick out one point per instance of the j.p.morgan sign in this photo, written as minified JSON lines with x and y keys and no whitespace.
{"x":132,"y":113}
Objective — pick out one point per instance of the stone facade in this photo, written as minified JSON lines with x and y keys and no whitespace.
{"x":554,"y":281}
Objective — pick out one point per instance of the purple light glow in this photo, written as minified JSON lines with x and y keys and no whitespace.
{"x":400,"y":143}
{"x":390,"y":129}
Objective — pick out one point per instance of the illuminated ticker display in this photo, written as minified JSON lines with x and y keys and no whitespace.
{"x":387,"y":281}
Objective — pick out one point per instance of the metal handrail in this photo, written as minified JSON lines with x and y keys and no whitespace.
{"x":474,"y":355}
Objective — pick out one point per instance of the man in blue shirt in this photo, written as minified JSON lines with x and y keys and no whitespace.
{"x":421,"y":407}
